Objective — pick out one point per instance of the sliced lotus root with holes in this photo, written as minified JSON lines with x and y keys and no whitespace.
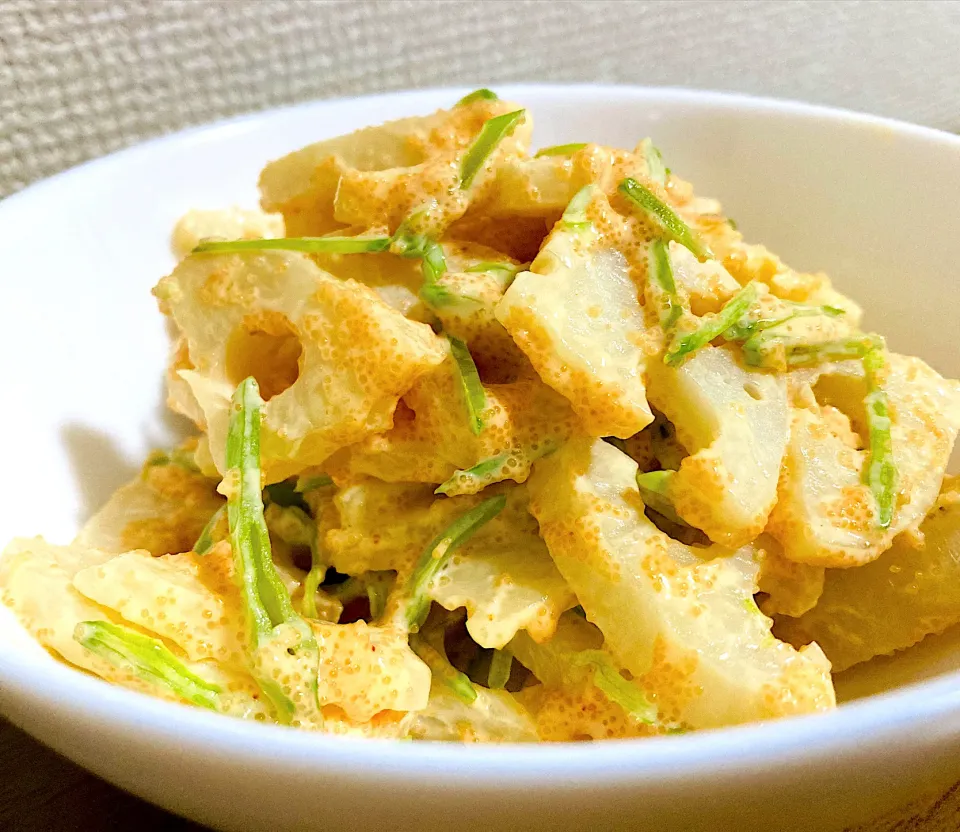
{"x":431,"y":438}
{"x":331,"y":358}
{"x":542,"y":186}
{"x":379,"y":175}
{"x":734,"y":422}
{"x":825,"y":514}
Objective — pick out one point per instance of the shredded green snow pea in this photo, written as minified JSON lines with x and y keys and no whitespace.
{"x":712,"y":326}
{"x":265,"y":600}
{"x":437,"y":296}
{"x":294,"y":526}
{"x":766,"y":349}
{"x":307,"y":484}
{"x":880,"y":470}
{"x":377,"y":592}
{"x":375,"y":585}
{"x":664,"y":217}
{"x":488,"y":471}
{"x":656,"y":170}
{"x":179,"y":456}
{"x":503,"y":273}
{"x":148,"y":658}
{"x":490,"y":266}
{"x":560,"y":149}
{"x":654,"y":489}
{"x":410,"y":242}
{"x":494,"y":131}
{"x":417,"y":245}
{"x":474,"y":396}
{"x":478,"y":473}
{"x":308,"y":245}
{"x":617,"y":689}
{"x":501,"y":663}
{"x":660,"y":270}
{"x":285,"y":494}
{"x":745,"y":328}
{"x":205,"y":541}
{"x":482,"y":94}
{"x":415,"y":602}
{"x":459,"y":683}
{"x":575,"y":215}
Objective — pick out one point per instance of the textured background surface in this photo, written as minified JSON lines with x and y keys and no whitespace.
{"x":79,"y":79}
{"x":82,"y":78}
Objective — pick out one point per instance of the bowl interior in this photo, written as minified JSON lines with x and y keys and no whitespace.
{"x":868,"y":201}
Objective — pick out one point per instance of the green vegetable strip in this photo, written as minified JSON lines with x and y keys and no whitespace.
{"x":307,"y":535}
{"x":880,"y":471}
{"x":656,"y":170}
{"x":479,"y":471}
{"x":156,"y":459}
{"x":291,"y":524}
{"x":713,"y":326}
{"x":503,"y":273}
{"x":294,"y":526}
{"x":441,"y":669}
{"x":433,"y":263}
{"x":654,"y":490}
{"x":148,"y":658}
{"x":179,"y":456}
{"x":311,"y":583}
{"x":285,"y":494}
{"x":411,"y":243}
{"x":491,"y":134}
{"x":660,"y":271}
{"x":617,"y":689}
{"x":804,"y":354}
{"x":575,"y":215}
{"x":265,"y":600}
{"x":763,"y":348}
{"x":437,"y":296}
{"x":486,"y":266}
{"x":482,"y":94}
{"x":744,"y":329}
{"x":664,"y":217}
{"x":349,"y":590}
{"x":306,"y":484}
{"x":309,"y":245}
{"x":409,"y":240}
{"x":501,"y":663}
{"x":473,"y":394}
{"x":205,"y":542}
{"x":414,"y":591}
{"x":561,"y":149}
{"x":378,"y":587}
{"x":375,"y":585}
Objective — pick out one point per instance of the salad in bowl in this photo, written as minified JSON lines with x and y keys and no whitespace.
{"x":494,"y":446}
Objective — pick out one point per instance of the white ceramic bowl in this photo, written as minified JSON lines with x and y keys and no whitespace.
{"x":82,"y":350}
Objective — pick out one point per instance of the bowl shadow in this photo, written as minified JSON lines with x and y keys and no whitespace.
{"x":100,"y":465}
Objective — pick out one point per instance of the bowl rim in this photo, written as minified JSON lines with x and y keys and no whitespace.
{"x":212,"y":130}
{"x":917,"y":711}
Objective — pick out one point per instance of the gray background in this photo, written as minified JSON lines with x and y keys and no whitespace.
{"x":79,"y":78}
